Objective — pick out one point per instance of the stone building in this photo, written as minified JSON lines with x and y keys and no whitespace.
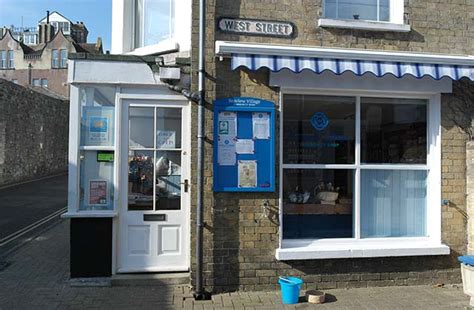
{"x":44,"y":64}
{"x":363,"y":144}
{"x":33,"y":133}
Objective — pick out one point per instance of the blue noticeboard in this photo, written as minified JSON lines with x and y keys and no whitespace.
{"x":244,"y":149}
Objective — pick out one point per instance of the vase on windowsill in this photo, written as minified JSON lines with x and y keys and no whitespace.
{"x":326,"y":194}
{"x":327,"y":198}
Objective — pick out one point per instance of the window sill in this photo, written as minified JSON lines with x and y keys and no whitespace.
{"x":164,"y":47}
{"x":362,"y":25}
{"x":296,"y":250}
{"x":90,"y":214}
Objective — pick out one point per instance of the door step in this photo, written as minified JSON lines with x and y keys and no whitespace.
{"x":152,"y":279}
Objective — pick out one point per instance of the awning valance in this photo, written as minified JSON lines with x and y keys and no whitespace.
{"x":338,"y":61}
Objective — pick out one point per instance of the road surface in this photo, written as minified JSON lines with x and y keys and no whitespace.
{"x":25,"y":204}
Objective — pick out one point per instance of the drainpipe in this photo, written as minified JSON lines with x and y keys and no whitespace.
{"x":200,"y":294}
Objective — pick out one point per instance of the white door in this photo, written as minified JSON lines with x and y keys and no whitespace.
{"x":155,"y":165}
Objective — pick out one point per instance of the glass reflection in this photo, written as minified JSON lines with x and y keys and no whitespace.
{"x":317,"y":203}
{"x":318,"y":129}
{"x":168,"y":180}
{"x":140,"y":180}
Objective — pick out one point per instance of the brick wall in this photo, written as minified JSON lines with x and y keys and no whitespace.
{"x":33,"y":134}
{"x":239,"y":241}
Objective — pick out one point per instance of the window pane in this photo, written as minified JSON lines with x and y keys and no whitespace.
{"x":168,"y":180}
{"x":330,"y":9}
{"x":317,"y":203}
{"x":393,"y":131}
{"x":3,"y":59}
{"x":357,"y":9}
{"x":63,"y":58}
{"x":318,"y":129}
{"x":140,"y":180}
{"x":55,"y":56}
{"x":11,"y":60}
{"x":384,"y":10}
{"x":393,"y":203}
{"x":154,"y":20}
{"x":141,"y":127}
{"x":168,"y":128}
{"x":97,"y":119}
{"x":36,"y":82}
{"x":96,"y":182}
{"x":44,"y":82}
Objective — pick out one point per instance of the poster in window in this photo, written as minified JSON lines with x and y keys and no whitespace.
{"x":97,"y":192}
{"x":247,"y":173}
{"x":98,"y":129}
{"x":98,"y":126}
{"x":165,"y":139}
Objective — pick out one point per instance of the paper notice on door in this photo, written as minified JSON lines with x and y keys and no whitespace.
{"x":227,"y":124}
{"x":261,"y":125}
{"x":247,"y":173}
{"x":244,"y":146}
{"x":165,"y":139}
{"x":226,"y":155}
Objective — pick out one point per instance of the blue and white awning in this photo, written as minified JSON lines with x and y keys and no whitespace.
{"x":379,"y":63}
{"x":358,"y":67}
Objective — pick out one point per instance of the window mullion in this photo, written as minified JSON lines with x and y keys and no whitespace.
{"x":357,"y":172}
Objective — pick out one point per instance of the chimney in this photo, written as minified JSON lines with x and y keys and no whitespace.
{"x":47,"y":17}
{"x":46,"y":33}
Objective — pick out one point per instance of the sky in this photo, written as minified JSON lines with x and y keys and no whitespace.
{"x":96,"y":15}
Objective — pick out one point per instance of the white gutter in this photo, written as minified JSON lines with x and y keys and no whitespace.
{"x":226,"y":48}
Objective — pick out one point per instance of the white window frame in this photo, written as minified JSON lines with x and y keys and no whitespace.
{"x":75,"y":148}
{"x":290,"y":249}
{"x":396,"y":22}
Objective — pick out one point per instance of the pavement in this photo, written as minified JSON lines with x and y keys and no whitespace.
{"x":36,"y":276}
{"x":24,"y":204}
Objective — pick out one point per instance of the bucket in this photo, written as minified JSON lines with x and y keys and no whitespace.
{"x":290,"y":289}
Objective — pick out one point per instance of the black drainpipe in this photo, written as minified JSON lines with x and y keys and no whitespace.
{"x":200,"y":293}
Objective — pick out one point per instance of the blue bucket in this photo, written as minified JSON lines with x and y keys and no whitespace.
{"x":290,"y":289}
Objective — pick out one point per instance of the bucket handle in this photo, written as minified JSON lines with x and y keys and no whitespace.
{"x":285,"y":279}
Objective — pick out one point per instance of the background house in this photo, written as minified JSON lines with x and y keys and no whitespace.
{"x":39,"y":57}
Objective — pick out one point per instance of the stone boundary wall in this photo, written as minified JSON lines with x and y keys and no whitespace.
{"x":33,"y":134}
{"x":239,"y":241}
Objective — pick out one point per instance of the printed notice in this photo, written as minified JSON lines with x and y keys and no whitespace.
{"x":244,"y":146}
{"x":226,"y":155}
{"x":227,"y":124}
{"x":98,"y":129}
{"x":97,"y":192}
{"x":247,"y":173}
{"x":261,"y":125}
{"x":165,"y":139}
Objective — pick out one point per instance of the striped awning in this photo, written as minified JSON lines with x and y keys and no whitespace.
{"x":359,"y":67}
{"x":254,"y":56}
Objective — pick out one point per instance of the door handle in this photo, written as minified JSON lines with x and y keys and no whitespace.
{"x":186,"y":185}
